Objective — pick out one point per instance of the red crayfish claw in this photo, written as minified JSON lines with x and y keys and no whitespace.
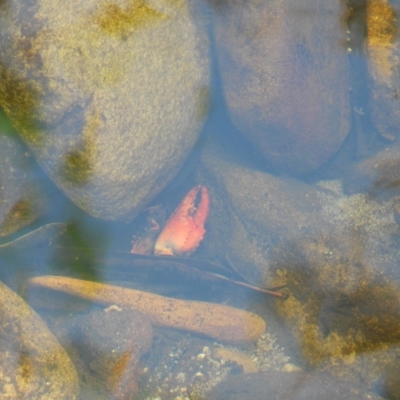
{"x":184,"y":230}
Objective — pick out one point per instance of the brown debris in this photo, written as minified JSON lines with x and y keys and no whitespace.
{"x":218,"y":321}
{"x":241,"y":359}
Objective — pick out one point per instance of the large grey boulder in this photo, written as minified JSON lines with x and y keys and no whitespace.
{"x":110,"y":97}
{"x":285,"y":73}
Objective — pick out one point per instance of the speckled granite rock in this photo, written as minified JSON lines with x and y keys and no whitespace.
{"x":382,"y":47}
{"x":285,"y":74}
{"x":110,"y":96}
{"x":33,"y":364}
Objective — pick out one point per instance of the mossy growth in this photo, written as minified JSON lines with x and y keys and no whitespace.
{"x":19,"y":215}
{"x":121,"y":22}
{"x":381,"y":22}
{"x":4,"y":5}
{"x":77,"y":164}
{"x":76,"y":168}
{"x":336,"y":311}
{"x":85,"y":234}
{"x":6,"y":127}
{"x":19,"y":100}
{"x":203,"y":102}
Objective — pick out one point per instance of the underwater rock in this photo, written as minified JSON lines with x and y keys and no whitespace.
{"x":253,"y":212}
{"x":33,"y":364}
{"x":256,"y":217}
{"x":22,"y":195}
{"x":336,"y":256}
{"x":110,"y":343}
{"x":110,"y":97}
{"x":105,"y":346}
{"x":338,"y":306}
{"x":104,"y":330}
{"x":378,"y":176}
{"x":285,"y":75}
{"x":343,"y":310}
{"x":382,"y":46}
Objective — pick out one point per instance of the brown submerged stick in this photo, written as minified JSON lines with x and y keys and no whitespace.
{"x":218,"y":321}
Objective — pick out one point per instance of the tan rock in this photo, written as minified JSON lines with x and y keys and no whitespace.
{"x":110,"y":96}
{"x":215,"y":320}
{"x":33,"y":365}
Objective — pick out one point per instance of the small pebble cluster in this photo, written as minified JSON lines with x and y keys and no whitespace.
{"x":191,"y":367}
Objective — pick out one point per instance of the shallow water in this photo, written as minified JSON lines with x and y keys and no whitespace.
{"x":294,"y":135}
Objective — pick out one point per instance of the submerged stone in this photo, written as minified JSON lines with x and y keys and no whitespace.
{"x":338,"y":306}
{"x":335,"y":256}
{"x":382,"y":47}
{"x":33,"y":364}
{"x":378,"y":176}
{"x":110,"y":97}
{"x":285,"y":73}
{"x":22,"y":196}
{"x":110,"y":343}
{"x":252,"y":213}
